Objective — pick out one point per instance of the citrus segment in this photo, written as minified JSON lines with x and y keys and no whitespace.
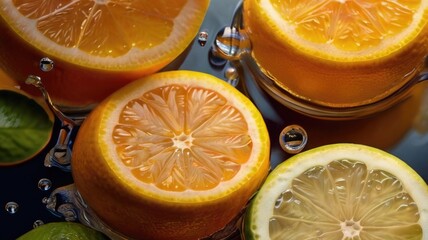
{"x":358,"y":52}
{"x":340,"y":191}
{"x":181,"y":152}
{"x":96,"y":43}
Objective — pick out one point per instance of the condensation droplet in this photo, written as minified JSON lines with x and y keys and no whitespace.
{"x":203,"y":38}
{"x":232,"y":76}
{"x":38,"y":223}
{"x":378,"y":187}
{"x":11,"y":207}
{"x":46,"y":64}
{"x":293,"y":139}
{"x":44,"y":184}
{"x":216,"y":61}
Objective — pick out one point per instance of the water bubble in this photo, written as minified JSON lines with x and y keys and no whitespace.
{"x":46,"y":64}
{"x":202,"y":38}
{"x":33,"y":80}
{"x":38,"y":223}
{"x":45,"y":200}
{"x":231,"y":44}
{"x":11,"y":207}
{"x":232,"y":76}
{"x":293,"y":139}
{"x":44,"y":184}
{"x":215,"y":60}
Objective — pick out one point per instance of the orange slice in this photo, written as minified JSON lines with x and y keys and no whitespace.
{"x":97,"y":46}
{"x":175,"y":155}
{"x":338,"y":53}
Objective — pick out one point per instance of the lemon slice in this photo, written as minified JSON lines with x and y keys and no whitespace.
{"x":340,"y":191}
{"x":175,"y":155}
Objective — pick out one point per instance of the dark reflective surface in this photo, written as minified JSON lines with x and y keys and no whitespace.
{"x":401,"y":131}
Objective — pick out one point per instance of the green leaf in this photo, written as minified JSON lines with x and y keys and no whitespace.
{"x":25,"y":127}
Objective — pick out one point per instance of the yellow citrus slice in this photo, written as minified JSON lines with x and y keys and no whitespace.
{"x":340,"y":191}
{"x":338,"y":53}
{"x":175,"y":155}
{"x":97,"y":46}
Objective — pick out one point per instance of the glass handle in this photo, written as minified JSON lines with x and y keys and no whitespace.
{"x":60,"y":155}
{"x":66,"y":202}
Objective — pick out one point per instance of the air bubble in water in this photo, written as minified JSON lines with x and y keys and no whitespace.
{"x":38,"y":223}
{"x":46,"y":64}
{"x":203,"y":38}
{"x":232,"y":76}
{"x":11,"y":207}
{"x":44,"y":184}
{"x":293,"y":139}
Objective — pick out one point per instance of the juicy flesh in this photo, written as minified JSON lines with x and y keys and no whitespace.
{"x":347,"y":24}
{"x":107,"y":28}
{"x":345,"y":200}
{"x":182,"y":137}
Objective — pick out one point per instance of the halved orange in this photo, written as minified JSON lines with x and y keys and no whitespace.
{"x":97,"y":46}
{"x":175,"y":155}
{"x":338,"y":53}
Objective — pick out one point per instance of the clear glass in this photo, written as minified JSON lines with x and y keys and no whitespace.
{"x":234,"y":43}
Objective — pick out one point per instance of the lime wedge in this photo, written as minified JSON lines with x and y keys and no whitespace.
{"x":63,"y":231}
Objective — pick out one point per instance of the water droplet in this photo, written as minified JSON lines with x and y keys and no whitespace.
{"x":46,"y":64}
{"x":215,"y":60}
{"x":203,"y":38}
{"x":230,"y":43}
{"x":38,"y":223}
{"x":11,"y":207}
{"x":232,"y":76}
{"x":33,"y":80}
{"x":44,"y":184}
{"x":293,"y":139}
